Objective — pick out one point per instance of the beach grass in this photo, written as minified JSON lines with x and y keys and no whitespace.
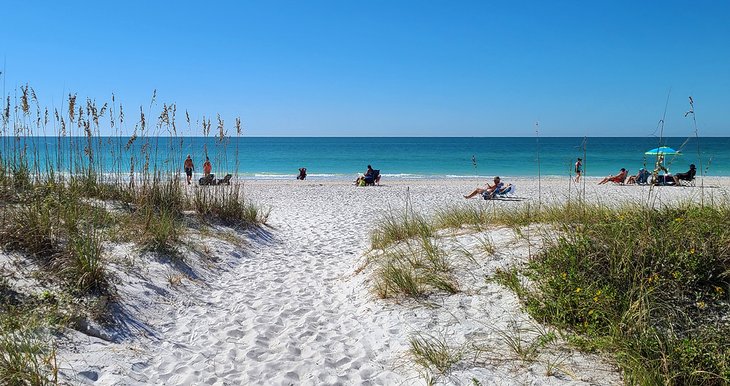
{"x":414,"y":268}
{"x":27,"y":357}
{"x":60,"y":209}
{"x":395,"y":227}
{"x":228,"y":206}
{"x":433,"y":353}
{"x":648,"y":285}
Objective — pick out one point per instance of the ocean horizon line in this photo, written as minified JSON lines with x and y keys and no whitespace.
{"x":379,"y":136}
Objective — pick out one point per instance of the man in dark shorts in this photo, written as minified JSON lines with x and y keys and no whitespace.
{"x":189,"y":168}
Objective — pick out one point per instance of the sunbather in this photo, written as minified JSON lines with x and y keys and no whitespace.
{"x":640,"y":178}
{"x":489,"y":190}
{"x":619,"y":178}
{"x":372,"y":176}
{"x":688,"y":176}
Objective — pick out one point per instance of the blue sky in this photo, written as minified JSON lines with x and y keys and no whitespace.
{"x":387,"y":68}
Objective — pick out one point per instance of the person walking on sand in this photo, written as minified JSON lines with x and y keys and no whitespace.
{"x":207,"y":167}
{"x":578,"y":169}
{"x":189,"y":167}
{"x":489,"y":189}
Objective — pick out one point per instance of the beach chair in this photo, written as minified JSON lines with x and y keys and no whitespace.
{"x":372,"y":178}
{"x":225,"y":180}
{"x":506,"y":191}
{"x":662,"y":180}
{"x":688,"y":178}
{"x":207,"y":180}
{"x":641,"y":178}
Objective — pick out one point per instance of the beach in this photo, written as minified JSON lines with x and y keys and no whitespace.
{"x":292,"y":303}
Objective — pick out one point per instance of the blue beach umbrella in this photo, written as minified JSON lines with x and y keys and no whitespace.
{"x":665,"y":150}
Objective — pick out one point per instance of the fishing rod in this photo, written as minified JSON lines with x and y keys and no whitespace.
{"x":699,"y":153}
{"x":537,"y":138}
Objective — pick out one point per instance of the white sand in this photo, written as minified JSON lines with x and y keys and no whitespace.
{"x":289,"y":308}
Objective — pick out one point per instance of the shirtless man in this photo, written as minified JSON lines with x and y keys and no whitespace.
{"x":188,"y":165}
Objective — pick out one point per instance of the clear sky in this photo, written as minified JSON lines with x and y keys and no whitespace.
{"x":387,"y":67}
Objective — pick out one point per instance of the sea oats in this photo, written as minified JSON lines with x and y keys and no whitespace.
{"x":71,"y":107}
{"x":131,"y":139}
{"x":221,"y":131}
{"x":24,"y":99}
{"x":142,"y":121}
{"x":174,"y":111}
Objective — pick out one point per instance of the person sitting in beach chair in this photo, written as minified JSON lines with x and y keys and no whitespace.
{"x":504,"y":191}
{"x":688,"y":177}
{"x":617,"y":179}
{"x":371,"y":176}
{"x":489,"y":190}
{"x":302,"y":174}
{"x":211,"y":180}
{"x":226,"y":180}
{"x":640,"y":178}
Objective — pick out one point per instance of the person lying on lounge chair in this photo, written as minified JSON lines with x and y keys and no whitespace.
{"x":500,"y":192}
{"x":688,"y":176}
{"x":619,"y":178}
{"x":489,"y":190}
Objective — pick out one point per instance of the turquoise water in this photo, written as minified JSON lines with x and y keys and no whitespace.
{"x":334,"y":158}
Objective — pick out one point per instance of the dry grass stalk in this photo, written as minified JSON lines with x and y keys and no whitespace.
{"x":71,"y":107}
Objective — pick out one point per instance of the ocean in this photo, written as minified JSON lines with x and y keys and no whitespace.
{"x":395,"y":157}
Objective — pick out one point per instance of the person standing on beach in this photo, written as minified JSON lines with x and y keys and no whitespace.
{"x":578,"y":169}
{"x":207,"y":167}
{"x":189,"y":167}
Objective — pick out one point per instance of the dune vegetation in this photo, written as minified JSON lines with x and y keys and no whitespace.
{"x":647,"y":285}
{"x":68,"y":190}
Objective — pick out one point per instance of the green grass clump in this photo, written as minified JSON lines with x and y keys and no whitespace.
{"x":458,"y":216}
{"x":26,"y":356}
{"x":395,"y":228}
{"x":433,"y":353}
{"x":47,"y":225}
{"x":85,"y":267}
{"x":414,"y":270}
{"x":161,"y":230}
{"x":648,"y":284}
{"x":228,"y":205}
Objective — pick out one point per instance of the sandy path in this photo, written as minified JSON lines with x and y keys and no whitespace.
{"x":280,"y":317}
